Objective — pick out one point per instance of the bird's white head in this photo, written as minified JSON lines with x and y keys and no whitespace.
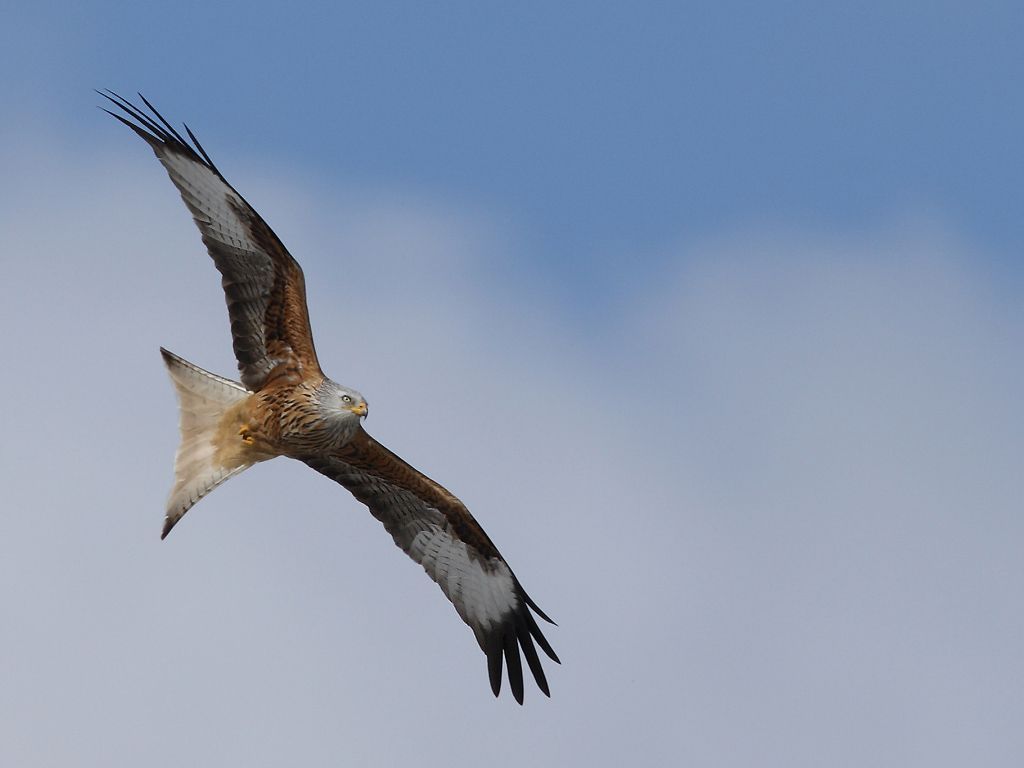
{"x":344,"y":401}
{"x":341,"y":409}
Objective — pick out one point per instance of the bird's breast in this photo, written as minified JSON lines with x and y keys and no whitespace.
{"x":307,"y":427}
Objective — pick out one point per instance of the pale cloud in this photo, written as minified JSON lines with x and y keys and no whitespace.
{"x":771,"y":504}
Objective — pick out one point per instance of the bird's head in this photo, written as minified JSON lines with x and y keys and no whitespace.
{"x":346,"y":402}
{"x":340,"y":409}
{"x":342,"y":401}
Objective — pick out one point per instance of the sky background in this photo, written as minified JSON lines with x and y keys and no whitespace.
{"x":711,"y":313}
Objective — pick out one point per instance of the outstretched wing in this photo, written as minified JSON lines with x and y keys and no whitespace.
{"x":263,"y":284}
{"x":437,"y":531}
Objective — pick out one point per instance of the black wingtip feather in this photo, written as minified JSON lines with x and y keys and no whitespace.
{"x":515,"y":666}
{"x":541,"y":640}
{"x":160,"y":117}
{"x":535,"y":607}
{"x":507,"y":643}
{"x":532,"y":659}
{"x":199,"y":146}
{"x":148,"y":138}
{"x":158,"y":131}
{"x":138,"y":114}
{"x":494,"y":655}
{"x":515,"y":635}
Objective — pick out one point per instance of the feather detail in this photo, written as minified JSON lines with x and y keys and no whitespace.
{"x":263,"y":285}
{"x":436,"y":530}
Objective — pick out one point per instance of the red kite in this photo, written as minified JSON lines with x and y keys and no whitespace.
{"x":286,"y":406}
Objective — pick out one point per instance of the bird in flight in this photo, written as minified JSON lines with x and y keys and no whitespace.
{"x":285,"y":405}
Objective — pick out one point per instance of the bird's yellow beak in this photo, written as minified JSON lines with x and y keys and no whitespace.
{"x":359,"y":410}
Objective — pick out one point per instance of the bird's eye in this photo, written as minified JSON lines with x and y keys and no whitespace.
{"x":346,"y":399}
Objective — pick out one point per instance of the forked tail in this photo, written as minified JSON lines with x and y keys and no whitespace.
{"x":210,"y":451}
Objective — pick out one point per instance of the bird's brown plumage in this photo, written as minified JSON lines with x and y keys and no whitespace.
{"x":286,"y":408}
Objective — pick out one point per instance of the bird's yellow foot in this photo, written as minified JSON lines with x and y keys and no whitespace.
{"x":246,"y":437}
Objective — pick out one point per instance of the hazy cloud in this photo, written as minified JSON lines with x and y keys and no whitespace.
{"x":773,"y":503}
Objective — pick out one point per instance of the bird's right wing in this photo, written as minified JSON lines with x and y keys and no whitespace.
{"x":437,"y":531}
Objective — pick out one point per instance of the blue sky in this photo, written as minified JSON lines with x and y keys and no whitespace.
{"x":711,"y":313}
{"x":602,"y":134}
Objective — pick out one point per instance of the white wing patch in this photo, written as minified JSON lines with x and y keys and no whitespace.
{"x":483,"y":594}
{"x":482,"y":591}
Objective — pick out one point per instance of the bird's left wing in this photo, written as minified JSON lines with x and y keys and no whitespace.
{"x":437,"y":531}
